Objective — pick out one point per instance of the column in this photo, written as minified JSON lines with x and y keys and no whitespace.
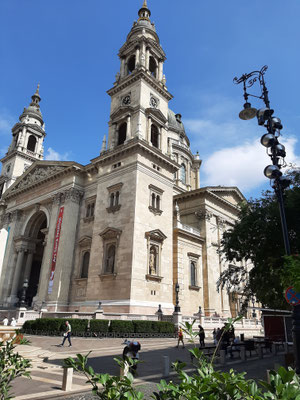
{"x":149,"y":129}
{"x":188,"y":174}
{"x":122,"y":70}
{"x":143,"y":55}
{"x":156,"y":72}
{"x":160,"y":138}
{"x":28,"y":265}
{"x":15,"y":285}
{"x":128,"y":128}
{"x":160,"y":70}
{"x":114,"y":135}
{"x":147,"y":57}
{"x":137,"y":57}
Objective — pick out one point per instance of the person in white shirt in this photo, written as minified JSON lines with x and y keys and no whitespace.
{"x":5,"y":321}
{"x":13,"y":322}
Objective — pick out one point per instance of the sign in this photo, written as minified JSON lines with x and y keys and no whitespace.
{"x":55,"y":249}
{"x":292,"y":297}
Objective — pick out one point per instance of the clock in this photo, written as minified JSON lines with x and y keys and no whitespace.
{"x":126,"y":100}
{"x":153,"y":102}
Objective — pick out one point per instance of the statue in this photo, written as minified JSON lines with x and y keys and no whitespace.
{"x":152,"y":261}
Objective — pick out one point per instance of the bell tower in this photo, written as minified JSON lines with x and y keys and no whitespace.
{"x":139,"y":97}
{"x":26,"y":145}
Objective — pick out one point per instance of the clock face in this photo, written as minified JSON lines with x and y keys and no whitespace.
{"x":153,"y":102}
{"x":126,"y":100}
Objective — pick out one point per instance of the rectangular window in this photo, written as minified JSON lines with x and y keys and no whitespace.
{"x":155,"y":199}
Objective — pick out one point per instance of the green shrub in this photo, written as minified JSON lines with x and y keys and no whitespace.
{"x":99,"y":325}
{"x":142,"y":326}
{"x":77,"y":325}
{"x":121,"y":326}
{"x":166,"y":327}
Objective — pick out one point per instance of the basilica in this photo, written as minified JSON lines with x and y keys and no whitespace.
{"x":133,"y":229}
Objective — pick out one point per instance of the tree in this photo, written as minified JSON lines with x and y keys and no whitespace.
{"x":257,"y":237}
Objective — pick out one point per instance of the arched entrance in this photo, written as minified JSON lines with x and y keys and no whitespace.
{"x":34,"y":235}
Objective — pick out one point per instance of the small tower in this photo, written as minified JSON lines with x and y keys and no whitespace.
{"x":139,"y":97}
{"x":26,"y":145}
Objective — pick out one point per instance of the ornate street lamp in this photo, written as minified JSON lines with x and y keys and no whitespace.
{"x":277,"y":153}
{"x":177,"y":307}
{"x":253,"y":310}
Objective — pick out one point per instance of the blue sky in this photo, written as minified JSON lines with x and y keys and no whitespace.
{"x":71,"y":48}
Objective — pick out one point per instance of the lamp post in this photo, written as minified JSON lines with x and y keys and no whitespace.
{"x":177,"y":307}
{"x":23,"y":295}
{"x":253,"y":309}
{"x":277,"y":153}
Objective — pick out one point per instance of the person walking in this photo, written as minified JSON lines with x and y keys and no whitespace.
{"x":215,"y":336}
{"x":5,"y":321}
{"x":13,"y":322}
{"x":201,"y":336}
{"x":131,"y":350}
{"x":67,"y":334}
{"x":180,"y":338}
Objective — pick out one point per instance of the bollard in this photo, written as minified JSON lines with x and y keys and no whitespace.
{"x":222,"y":357}
{"x":260,"y":351}
{"x":124,"y":371}
{"x":166,"y":366}
{"x":67,"y":379}
{"x":274,"y":349}
{"x":268,"y":376}
{"x":243,"y":353}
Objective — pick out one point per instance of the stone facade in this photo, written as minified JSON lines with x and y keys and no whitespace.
{"x":127,"y":227}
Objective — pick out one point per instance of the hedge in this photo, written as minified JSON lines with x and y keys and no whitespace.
{"x":121,"y":326}
{"x":99,"y":325}
{"x":54,"y":326}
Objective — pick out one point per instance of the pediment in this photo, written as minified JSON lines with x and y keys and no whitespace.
{"x":37,"y":173}
{"x":154,"y":112}
{"x":230,"y":194}
{"x":156,"y":235}
{"x":123,"y":111}
{"x":85,"y":241}
{"x":110,"y":233}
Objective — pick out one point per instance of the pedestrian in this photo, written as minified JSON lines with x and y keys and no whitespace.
{"x":218,"y":334}
{"x":67,"y":334}
{"x":5,"y":321}
{"x":13,"y":322}
{"x":201,"y":336}
{"x":180,"y":338}
{"x":131,"y":350}
{"x":215,"y":336}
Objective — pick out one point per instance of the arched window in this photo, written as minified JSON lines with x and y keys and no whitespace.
{"x":131,"y":64}
{"x":193,"y":274}
{"x":117,"y":199}
{"x":157,"y":202}
{"x":31,"y":143}
{"x":122,"y":133}
{"x":154,"y":135}
{"x":183,"y":173}
{"x":110,"y":259}
{"x":112,"y":200}
{"x":85,"y":265}
{"x":153,"y":200}
{"x":152,"y":66}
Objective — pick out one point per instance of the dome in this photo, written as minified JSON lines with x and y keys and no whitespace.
{"x":175,"y":122}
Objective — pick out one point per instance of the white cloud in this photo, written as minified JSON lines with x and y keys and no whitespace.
{"x":242,"y":165}
{"x":6,"y":122}
{"x":55,"y":156}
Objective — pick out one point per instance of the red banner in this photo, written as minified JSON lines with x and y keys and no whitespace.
{"x":55,"y":248}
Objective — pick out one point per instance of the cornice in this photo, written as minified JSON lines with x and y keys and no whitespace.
{"x":132,"y":145}
{"x":139,"y":75}
{"x":35,"y":127}
{"x":20,"y":154}
{"x":208,"y":191}
{"x":183,"y":232}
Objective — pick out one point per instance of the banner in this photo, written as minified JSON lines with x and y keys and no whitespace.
{"x":55,"y":248}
